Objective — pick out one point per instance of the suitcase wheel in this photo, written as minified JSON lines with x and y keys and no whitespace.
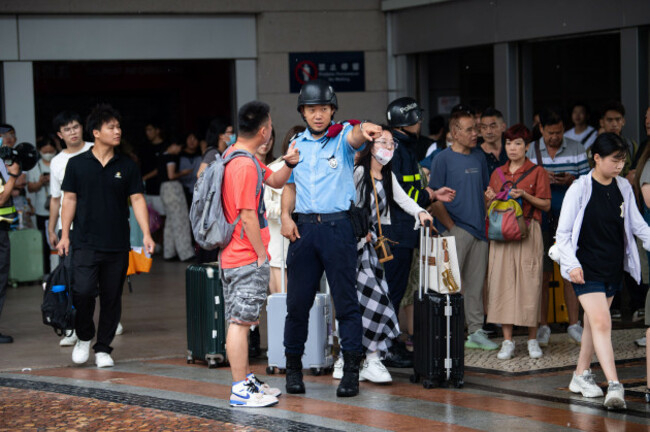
{"x":428,"y":384}
{"x":414,"y":378}
{"x":316,"y":371}
{"x":220,"y":358}
{"x":212,"y":363}
{"x":459,"y":384}
{"x":270,"y":370}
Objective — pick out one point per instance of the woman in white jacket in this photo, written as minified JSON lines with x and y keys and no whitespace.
{"x":379,"y":319}
{"x":595,"y":239}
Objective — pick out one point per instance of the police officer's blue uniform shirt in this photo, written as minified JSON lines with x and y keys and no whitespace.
{"x":320,"y":188}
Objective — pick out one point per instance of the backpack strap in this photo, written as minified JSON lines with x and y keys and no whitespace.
{"x":530,"y":170}
{"x":258,"y":189}
{"x":585,"y":139}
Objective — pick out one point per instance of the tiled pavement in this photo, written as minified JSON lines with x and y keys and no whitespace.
{"x":151,"y":388}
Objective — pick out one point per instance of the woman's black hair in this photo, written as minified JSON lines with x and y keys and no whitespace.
{"x":217,"y":127}
{"x":365,"y":185}
{"x":45,"y":141}
{"x":607,"y":144}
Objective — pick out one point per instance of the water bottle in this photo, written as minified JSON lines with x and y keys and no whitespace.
{"x":61,"y":293}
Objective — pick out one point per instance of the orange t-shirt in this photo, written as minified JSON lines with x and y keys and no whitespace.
{"x":238,"y":193}
{"x":535,"y":183}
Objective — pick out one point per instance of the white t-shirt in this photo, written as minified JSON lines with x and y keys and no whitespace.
{"x":57,"y":172}
{"x":39,"y":197}
{"x":571,"y":134}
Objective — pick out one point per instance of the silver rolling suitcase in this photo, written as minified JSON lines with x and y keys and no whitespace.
{"x":318,"y":348}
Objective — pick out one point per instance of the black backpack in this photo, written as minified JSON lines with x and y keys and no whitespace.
{"x":57,"y":307}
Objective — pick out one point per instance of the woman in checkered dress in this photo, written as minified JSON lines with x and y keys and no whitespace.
{"x":379,"y":318}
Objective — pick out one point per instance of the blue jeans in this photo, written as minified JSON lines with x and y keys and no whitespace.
{"x":329,"y":246}
{"x":610,"y":289}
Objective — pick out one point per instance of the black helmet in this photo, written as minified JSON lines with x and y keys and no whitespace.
{"x":404,"y":111}
{"x":317,"y":92}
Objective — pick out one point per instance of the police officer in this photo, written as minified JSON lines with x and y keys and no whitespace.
{"x":321,"y":190}
{"x":405,"y":120}
{"x":8,"y":176}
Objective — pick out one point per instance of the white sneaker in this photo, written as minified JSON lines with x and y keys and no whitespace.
{"x":641,"y":342}
{"x":585,"y":384}
{"x":264,"y":388}
{"x":507,"y":350}
{"x":103,"y":360}
{"x":246,"y":395}
{"x":119,"y":329}
{"x":69,"y":340}
{"x":543,"y":335}
{"x":575,"y":333}
{"x":534,"y":351}
{"x":615,"y":398}
{"x":81,"y":351}
{"x":374,"y":371}
{"x":338,"y":368}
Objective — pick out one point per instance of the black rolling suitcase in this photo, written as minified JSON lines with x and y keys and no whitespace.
{"x":438,"y":336}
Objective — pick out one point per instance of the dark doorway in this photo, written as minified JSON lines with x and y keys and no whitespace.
{"x":582,"y":69}
{"x":183,"y":95}
{"x":462,"y":75}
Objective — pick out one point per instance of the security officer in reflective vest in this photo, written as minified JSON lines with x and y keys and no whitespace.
{"x":405,"y":119}
{"x":8,"y":176}
{"x":319,"y":194}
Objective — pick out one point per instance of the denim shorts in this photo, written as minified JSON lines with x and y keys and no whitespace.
{"x":608,"y":288}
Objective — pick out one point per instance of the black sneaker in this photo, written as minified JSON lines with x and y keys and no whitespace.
{"x":5,"y":339}
{"x":398,"y":357}
{"x":490,"y":329}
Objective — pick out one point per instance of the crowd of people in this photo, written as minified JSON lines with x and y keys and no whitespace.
{"x":335,"y":197}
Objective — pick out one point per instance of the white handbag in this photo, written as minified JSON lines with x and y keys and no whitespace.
{"x":439,"y":260}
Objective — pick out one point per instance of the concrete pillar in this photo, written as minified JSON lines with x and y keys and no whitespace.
{"x":506,"y":81}
{"x":19,"y":99}
{"x":634,"y":81}
{"x":527,"y":85}
{"x":245,"y":82}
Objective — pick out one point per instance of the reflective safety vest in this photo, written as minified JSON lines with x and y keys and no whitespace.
{"x":8,"y":212}
{"x":415,"y":183}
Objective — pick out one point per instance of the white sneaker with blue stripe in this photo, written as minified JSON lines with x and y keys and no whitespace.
{"x":245,"y":394}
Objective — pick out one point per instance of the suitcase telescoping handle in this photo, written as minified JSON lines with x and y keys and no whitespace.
{"x":423,"y":277}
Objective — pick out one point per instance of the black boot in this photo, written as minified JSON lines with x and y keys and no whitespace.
{"x":398,"y":356}
{"x":294,"y":374}
{"x":254,"y":343}
{"x":349,"y":385}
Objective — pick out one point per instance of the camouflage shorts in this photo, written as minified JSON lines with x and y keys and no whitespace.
{"x":244,"y":292}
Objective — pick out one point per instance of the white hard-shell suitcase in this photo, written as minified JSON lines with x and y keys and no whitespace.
{"x":318,"y":355}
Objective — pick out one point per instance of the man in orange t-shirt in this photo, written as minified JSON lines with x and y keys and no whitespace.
{"x":245,"y":270}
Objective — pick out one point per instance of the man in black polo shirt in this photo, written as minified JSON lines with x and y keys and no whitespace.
{"x":97,"y":185}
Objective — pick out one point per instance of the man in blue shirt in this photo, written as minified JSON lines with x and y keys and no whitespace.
{"x":320,"y":191}
{"x":463,"y":168}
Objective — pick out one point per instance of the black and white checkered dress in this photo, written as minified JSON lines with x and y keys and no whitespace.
{"x":380,"y":323}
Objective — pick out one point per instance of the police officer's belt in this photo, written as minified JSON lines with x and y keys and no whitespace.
{"x":315,"y":218}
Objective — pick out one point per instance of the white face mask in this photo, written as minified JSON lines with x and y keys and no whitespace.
{"x":47,"y":156}
{"x":383,"y":156}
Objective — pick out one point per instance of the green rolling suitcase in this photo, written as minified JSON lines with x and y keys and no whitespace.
{"x":206,"y":327}
{"x":26,"y":256}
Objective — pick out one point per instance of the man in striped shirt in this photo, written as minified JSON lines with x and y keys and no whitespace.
{"x":564,"y":160}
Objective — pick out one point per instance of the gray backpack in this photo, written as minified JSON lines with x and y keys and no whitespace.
{"x":209,"y":225}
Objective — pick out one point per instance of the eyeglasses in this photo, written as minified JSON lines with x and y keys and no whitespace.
{"x":386,"y":143}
